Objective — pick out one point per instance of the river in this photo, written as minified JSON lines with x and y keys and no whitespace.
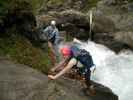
{"x":113,"y":70}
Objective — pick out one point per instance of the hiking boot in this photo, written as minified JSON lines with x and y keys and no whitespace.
{"x":91,"y":91}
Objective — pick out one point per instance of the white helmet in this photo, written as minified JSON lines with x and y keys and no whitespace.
{"x":53,"y":22}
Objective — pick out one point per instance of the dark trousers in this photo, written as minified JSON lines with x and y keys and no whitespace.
{"x":52,"y":40}
{"x":87,"y":78}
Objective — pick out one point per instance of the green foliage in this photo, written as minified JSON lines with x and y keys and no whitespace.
{"x":18,"y":48}
{"x":56,"y":2}
{"x":90,"y":4}
{"x":68,"y":38}
{"x":4,"y":7}
{"x":21,"y":51}
{"x":130,"y":0}
{"x":36,"y":5}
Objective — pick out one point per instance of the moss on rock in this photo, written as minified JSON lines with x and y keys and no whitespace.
{"x":20,"y":50}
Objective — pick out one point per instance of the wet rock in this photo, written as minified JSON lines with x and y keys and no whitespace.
{"x":119,"y":14}
{"x":112,"y":16}
{"x":108,"y":40}
{"x":19,"y":82}
{"x":124,"y":37}
{"x":109,"y":16}
{"x":75,"y":23}
{"x":102,"y":23}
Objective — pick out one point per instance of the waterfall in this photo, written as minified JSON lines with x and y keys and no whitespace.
{"x":113,"y":70}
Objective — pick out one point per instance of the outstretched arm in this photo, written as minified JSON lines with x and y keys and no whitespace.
{"x":67,"y":68}
{"x":61,"y":64}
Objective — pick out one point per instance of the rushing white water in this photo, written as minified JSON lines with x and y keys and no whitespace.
{"x":113,"y":70}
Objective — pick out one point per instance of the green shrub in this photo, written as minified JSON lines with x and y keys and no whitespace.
{"x":130,"y":0}
{"x":56,"y":2}
{"x":4,"y":4}
{"x":89,"y":4}
{"x":22,"y":51}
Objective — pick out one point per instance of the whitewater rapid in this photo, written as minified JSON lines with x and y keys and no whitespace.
{"x":113,"y":70}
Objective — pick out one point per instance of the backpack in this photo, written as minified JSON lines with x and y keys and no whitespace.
{"x":83,"y":56}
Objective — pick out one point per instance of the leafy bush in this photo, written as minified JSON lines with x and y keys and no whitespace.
{"x":56,"y":2}
{"x":89,"y":4}
{"x":22,"y":51}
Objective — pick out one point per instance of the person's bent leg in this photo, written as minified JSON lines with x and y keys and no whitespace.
{"x":90,"y":87}
{"x":87,"y":78}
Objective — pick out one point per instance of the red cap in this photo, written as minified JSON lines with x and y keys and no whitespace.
{"x":66,"y":51}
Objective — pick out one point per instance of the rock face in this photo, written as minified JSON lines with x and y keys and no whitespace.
{"x":76,"y":23}
{"x":109,"y":17}
{"x":125,"y":37}
{"x":73,"y":22}
{"x":61,"y":5}
{"x":102,"y":24}
{"x":72,"y":16}
{"x":119,"y":12}
{"x":120,"y":20}
{"x":19,"y":82}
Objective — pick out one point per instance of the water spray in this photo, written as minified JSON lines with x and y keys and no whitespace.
{"x":90,"y":32}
